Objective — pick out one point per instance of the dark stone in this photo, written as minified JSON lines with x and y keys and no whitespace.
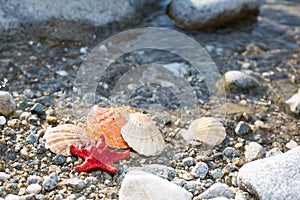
{"x":37,"y":109}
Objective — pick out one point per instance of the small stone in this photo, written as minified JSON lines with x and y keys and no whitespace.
{"x":146,"y":186}
{"x":34,"y":180}
{"x":34,"y":189}
{"x":59,"y":159}
{"x":12,"y":197}
{"x":37,"y":109}
{"x":275,"y":177}
{"x":254,"y":151}
{"x":273,"y":152}
{"x":217,"y":190}
{"x":217,"y":173}
{"x":291,"y":144}
{"x":229,"y":168}
{"x":75,"y":183}
{"x":2,"y":120}
{"x":231,"y":152}
{"x":242,"y":128}
{"x":160,"y":170}
{"x":294,"y":103}
{"x":189,"y":161}
{"x":50,"y":182}
{"x":259,"y":123}
{"x":200,"y":170}
{"x":41,"y":149}
{"x":4,"y":176}
{"x":62,"y":73}
{"x":7,"y":104}
{"x":31,"y":139}
{"x":24,"y":152}
{"x":11,"y":156}
{"x":14,"y":123}
{"x":83,"y":50}
{"x":51,"y":119}
{"x":241,"y":195}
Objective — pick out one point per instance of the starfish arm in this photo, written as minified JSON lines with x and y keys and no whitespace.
{"x":93,"y":163}
{"x":116,"y":155}
{"x":82,"y":153}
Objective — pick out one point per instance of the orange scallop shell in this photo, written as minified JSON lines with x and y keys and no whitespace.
{"x":108,"y":122}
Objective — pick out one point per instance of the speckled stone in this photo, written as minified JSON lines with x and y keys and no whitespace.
{"x":7,"y":104}
{"x":276,"y":177}
{"x":34,"y":189}
{"x":217,"y":190}
{"x":200,"y":170}
{"x":254,"y":151}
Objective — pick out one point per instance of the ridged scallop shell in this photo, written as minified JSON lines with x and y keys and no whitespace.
{"x":142,"y":135}
{"x":59,"y":138}
{"x":206,"y":130}
{"x":108,"y":122}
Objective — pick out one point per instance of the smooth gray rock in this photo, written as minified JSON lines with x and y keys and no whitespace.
{"x":160,"y":170}
{"x":205,"y":14}
{"x":239,"y":82}
{"x":7,"y":103}
{"x":142,"y":185}
{"x":34,"y":189}
{"x":294,"y":103}
{"x":96,"y":12}
{"x":254,"y":151}
{"x":231,"y":152}
{"x":217,"y":190}
{"x":276,"y":177}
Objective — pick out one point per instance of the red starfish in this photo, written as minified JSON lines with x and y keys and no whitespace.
{"x":98,"y":157}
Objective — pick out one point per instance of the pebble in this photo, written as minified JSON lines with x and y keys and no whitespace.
{"x":7,"y":104}
{"x":231,"y":152}
{"x":217,"y":190}
{"x":146,"y":186}
{"x":239,"y":82}
{"x":2,"y":120}
{"x":273,"y":152}
{"x":241,"y":195}
{"x":34,"y":180}
{"x":12,"y":197}
{"x":199,"y":14}
{"x":200,"y":170}
{"x":291,"y":144}
{"x":4,"y":176}
{"x":50,"y":182}
{"x":275,"y":177}
{"x":75,"y":183}
{"x":34,"y":189}
{"x":41,"y":149}
{"x":31,"y":139}
{"x":254,"y":151}
{"x":59,"y":159}
{"x":217,"y":173}
{"x":242,"y":128}
{"x":294,"y":103}
{"x":189,"y":161}
{"x":14,"y":123}
{"x":37,"y":109}
{"x":51,"y":119}
{"x":160,"y":170}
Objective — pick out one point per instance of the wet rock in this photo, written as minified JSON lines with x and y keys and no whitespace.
{"x":254,"y":151}
{"x":146,"y":186}
{"x":231,"y":152}
{"x":200,"y":170}
{"x":160,"y":170}
{"x":238,"y":82}
{"x":275,"y":177}
{"x":294,"y":103}
{"x":97,"y":13}
{"x":2,"y":120}
{"x":291,"y":144}
{"x":242,"y":128}
{"x":199,"y":14}
{"x":217,"y":190}
{"x":34,"y":189}
{"x":7,"y":104}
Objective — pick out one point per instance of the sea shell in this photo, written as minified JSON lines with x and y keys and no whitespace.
{"x":142,"y":135}
{"x":108,"y":122}
{"x":59,"y":138}
{"x":206,"y":130}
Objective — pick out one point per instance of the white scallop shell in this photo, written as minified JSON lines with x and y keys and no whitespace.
{"x":59,"y":138}
{"x":206,"y":130}
{"x":142,"y":135}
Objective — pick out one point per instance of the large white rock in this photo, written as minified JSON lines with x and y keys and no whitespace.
{"x":142,"y":185}
{"x":203,"y":14}
{"x":96,"y":12}
{"x":276,"y":177}
{"x":294,"y":103}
